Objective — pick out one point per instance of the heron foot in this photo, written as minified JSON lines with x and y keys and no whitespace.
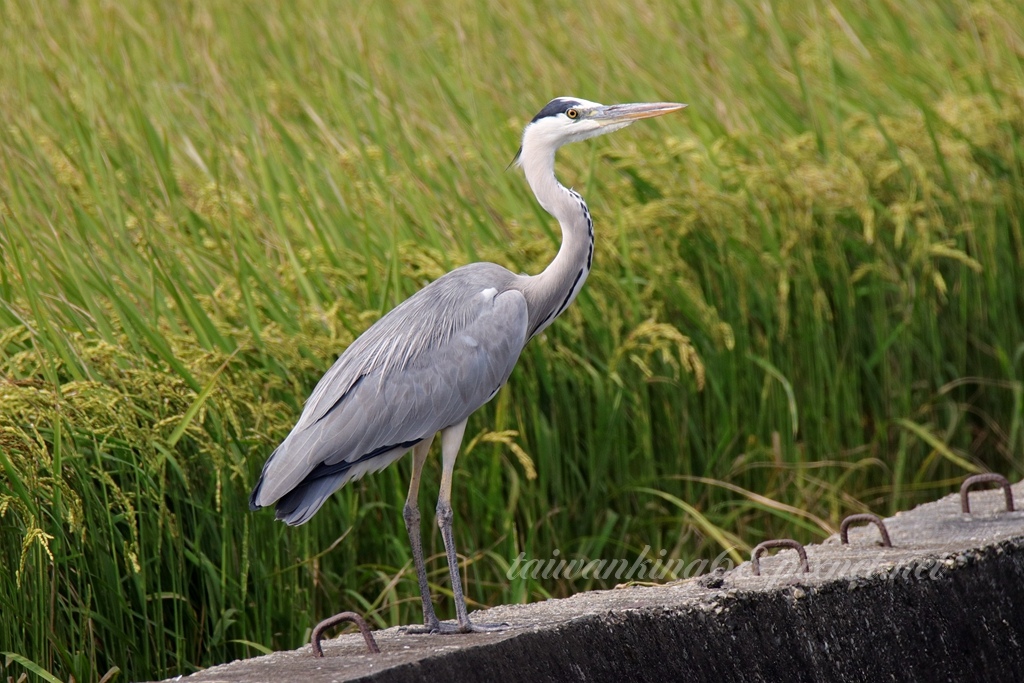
{"x":447,"y":628}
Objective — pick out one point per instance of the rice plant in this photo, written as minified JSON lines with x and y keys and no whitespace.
{"x":806,"y":299}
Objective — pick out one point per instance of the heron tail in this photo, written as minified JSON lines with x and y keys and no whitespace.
{"x":299,"y":504}
{"x":302,"y":502}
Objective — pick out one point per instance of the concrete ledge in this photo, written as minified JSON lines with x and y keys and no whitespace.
{"x":945,"y":603}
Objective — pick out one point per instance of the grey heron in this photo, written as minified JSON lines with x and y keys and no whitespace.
{"x":430,"y":362}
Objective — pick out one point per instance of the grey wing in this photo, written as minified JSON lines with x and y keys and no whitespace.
{"x":368,"y":411}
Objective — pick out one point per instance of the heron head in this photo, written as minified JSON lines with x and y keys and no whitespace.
{"x":571,"y":119}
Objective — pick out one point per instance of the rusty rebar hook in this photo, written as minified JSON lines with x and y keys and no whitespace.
{"x":844,"y":528}
{"x":755,"y":556}
{"x":318,"y":632}
{"x":971,"y":482}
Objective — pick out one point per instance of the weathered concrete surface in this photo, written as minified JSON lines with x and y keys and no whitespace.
{"x":946,"y":603}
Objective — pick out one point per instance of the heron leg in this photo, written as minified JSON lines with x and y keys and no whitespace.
{"x":411,"y":513}
{"x":451,"y":441}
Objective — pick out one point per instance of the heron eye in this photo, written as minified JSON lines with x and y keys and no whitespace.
{"x":572,"y":113}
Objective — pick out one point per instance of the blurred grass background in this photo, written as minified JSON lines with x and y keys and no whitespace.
{"x":807,"y":299}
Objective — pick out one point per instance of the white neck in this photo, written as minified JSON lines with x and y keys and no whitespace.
{"x":549,"y":293}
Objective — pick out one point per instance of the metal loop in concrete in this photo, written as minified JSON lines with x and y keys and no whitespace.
{"x":318,"y":632}
{"x":971,"y":482}
{"x":844,"y":528}
{"x":755,"y":557}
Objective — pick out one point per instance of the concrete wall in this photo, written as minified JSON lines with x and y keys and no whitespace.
{"x":945,"y":603}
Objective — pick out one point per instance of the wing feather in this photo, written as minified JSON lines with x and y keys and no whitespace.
{"x":428,"y":364}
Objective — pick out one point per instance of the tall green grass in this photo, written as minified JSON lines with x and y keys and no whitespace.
{"x":807,"y":299}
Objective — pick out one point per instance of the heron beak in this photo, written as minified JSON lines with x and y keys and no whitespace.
{"x":627,"y":113}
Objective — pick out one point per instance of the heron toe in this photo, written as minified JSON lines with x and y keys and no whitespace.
{"x":448,"y":628}
{"x":483,"y":628}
